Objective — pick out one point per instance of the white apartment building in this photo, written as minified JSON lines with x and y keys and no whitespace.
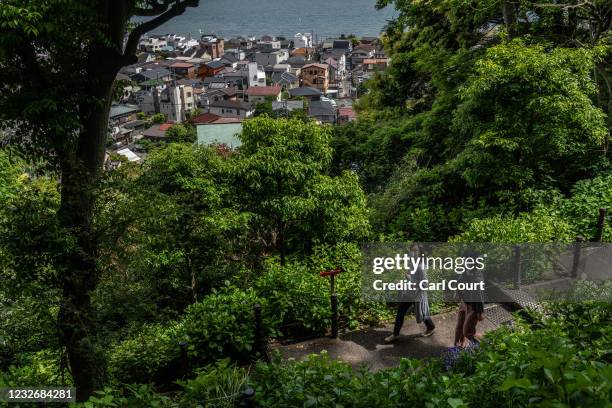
{"x":271,"y":58}
{"x":302,"y":40}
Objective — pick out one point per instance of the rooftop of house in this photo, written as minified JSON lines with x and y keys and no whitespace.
{"x":155,"y":131}
{"x":154,"y":73}
{"x":321,"y":108}
{"x":263,"y":91}
{"x":347,"y":111}
{"x":216,"y":64}
{"x":302,"y":51}
{"x":232,"y":105}
{"x":121,"y":110}
{"x":341,"y":44}
{"x":304,"y":91}
{"x":128,"y":154}
{"x":296,"y":61}
{"x":315,"y":65}
{"x":284,"y":77}
{"x":364,"y":47}
{"x":181,"y":65}
{"x":231,"y":58}
{"x":204,"y":118}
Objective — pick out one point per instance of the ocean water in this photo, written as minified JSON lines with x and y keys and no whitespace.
{"x":324,"y":18}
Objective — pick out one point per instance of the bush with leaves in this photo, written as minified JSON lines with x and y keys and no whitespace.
{"x":222,"y":324}
{"x":152,"y":355}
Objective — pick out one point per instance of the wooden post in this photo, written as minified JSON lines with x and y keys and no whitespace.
{"x":601,"y":223}
{"x":577,"y":250}
{"x":517,"y":269}
{"x":334,"y":299}
{"x":260,"y":345}
{"x":334,"y":305}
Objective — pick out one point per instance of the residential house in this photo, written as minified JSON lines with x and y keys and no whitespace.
{"x":210,"y":69}
{"x":285,"y":80}
{"x":306,"y":53}
{"x":297,"y":63}
{"x":316,"y":76}
{"x":237,"y":109}
{"x":152,"y":44}
{"x":216,"y":95}
{"x":183,"y":70}
{"x":312,"y":94}
{"x":235,"y":79}
{"x":176,"y":101}
{"x":254,"y":73}
{"x":360,"y":53}
{"x":214,"y":46}
{"x":230,"y":60}
{"x":337,"y":62}
{"x":157,"y":73}
{"x":217,"y":130}
{"x":157,"y":132}
{"x":129,"y":155}
{"x":302,"y":40}
{"x":344,"y":46}
{"x":120,"y":114}
{"x":268,"y":43}
{"x":346,"y":114}
{"x":145,"y":57}
{"x":271,"y":58}
{"x":322,"y":111}
{"x":260,"y":94}
{"x":236,"y":53}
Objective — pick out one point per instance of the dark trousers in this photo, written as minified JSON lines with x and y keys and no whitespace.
{"x":467,"y":319}
{"x":401,"y":314}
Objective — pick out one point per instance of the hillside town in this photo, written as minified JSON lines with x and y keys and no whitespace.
{"x":215,"y":84}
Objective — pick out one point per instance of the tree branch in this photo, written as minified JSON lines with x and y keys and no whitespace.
{"x":176,"y":10}
{"x":154,"y":8}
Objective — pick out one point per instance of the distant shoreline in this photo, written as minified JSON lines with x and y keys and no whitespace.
{"x":323,"y":18}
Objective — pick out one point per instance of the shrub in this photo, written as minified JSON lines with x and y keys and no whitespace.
{"x":562,"y":363}
{"x":151,"y":356}
{"x":35,"y":369}
{"x":215,"y":386}
{"x":222,"y":324}
{"x":134,"y":396}
{"x":299,"y":299}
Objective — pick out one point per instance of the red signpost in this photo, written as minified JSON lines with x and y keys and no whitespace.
{"x":334,"y":297}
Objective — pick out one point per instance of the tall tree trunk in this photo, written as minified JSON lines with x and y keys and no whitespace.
{"x":509,"y":17}
{"x":81,"y":170}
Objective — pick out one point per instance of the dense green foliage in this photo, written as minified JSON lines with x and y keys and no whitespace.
{"x":483,"y":104}
{"x":562,"y":361}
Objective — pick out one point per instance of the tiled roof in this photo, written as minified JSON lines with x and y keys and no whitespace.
{"x":322,"y":66}
{"x":232,"y":104}
{"x":181,"y":65}
{"x":263,"y":90}
{"x":204,"y":118}
{"x":347,"y":111}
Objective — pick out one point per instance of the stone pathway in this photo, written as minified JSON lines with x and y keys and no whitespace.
{"x":366,"y":347}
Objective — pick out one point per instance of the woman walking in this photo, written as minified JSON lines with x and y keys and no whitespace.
{"x":420,"y":304}
{"x":471,"y":308}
